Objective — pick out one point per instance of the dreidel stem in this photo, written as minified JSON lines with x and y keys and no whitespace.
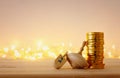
{"x":65,"y":54}
{"x":82,"y":48}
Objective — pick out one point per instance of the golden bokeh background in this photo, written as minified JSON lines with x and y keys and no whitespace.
{"x":24,"y":22}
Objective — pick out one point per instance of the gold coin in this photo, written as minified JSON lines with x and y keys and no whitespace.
{"x":95,"y":33}
{"x":96,"y":57}
{"x":97,"y":67}
{"x":95,"y":42}
{"x":95,"y":48}
{"x":92,"y":56}
{"x":95,"y":54}
{"x":95,"y":51}
{"x":93,"y":37}
{"x":99,"y":54}
{"x":89,"y":54}
{"x":95,"y":45}
{"x":91,"y":61}
{"x":99,"y":57}
{"x":98,"y":40}
{"x":98,"y":62}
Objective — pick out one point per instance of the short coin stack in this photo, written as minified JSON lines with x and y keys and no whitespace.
{"x":95,"y":48}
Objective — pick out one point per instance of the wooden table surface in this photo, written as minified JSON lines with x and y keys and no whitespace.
{"x":44,"y":68}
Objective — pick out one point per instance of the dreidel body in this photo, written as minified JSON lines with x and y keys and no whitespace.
{"x":60,"y":61}
{"x":76,"y":60}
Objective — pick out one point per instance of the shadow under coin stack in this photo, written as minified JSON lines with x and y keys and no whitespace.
{"x":95,"y":49}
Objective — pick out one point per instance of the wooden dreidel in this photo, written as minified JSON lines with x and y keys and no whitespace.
{"x":76,"y":60}
{"x":60,"y":61}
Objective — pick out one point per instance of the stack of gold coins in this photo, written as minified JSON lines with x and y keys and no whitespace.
{"x":95,"y":49}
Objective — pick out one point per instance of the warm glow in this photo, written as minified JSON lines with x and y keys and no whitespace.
{"x":29,"y":49}
{"x":17,"y":53}
{"x":6,"y":49}
{"x":40,"y":55}
{"x":22,"y":49}
{"x":39,"y":43}
{"x":30,"y":27}
{"x":110,"y":55}
{"x":45,"y":51}
{"x":119,"y":57}
{"x":69,"y":51}
{"x":63,"y":44}
{"x":70,"y":44}
{"x":13,"y":47}
{"x":4,"y":56}
{"x":52,"y":54}
{"x":113,"y":46}
{"x":45,"y":48}
{"x":32,"y":58}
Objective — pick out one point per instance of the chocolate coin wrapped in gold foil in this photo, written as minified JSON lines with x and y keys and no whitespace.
{"x":95,"y":49}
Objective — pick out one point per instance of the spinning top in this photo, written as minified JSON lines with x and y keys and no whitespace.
{"x":60,"y":61}
{"x":76,"y":60}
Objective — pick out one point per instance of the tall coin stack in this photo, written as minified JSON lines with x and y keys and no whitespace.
{"x":95,"y":49}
